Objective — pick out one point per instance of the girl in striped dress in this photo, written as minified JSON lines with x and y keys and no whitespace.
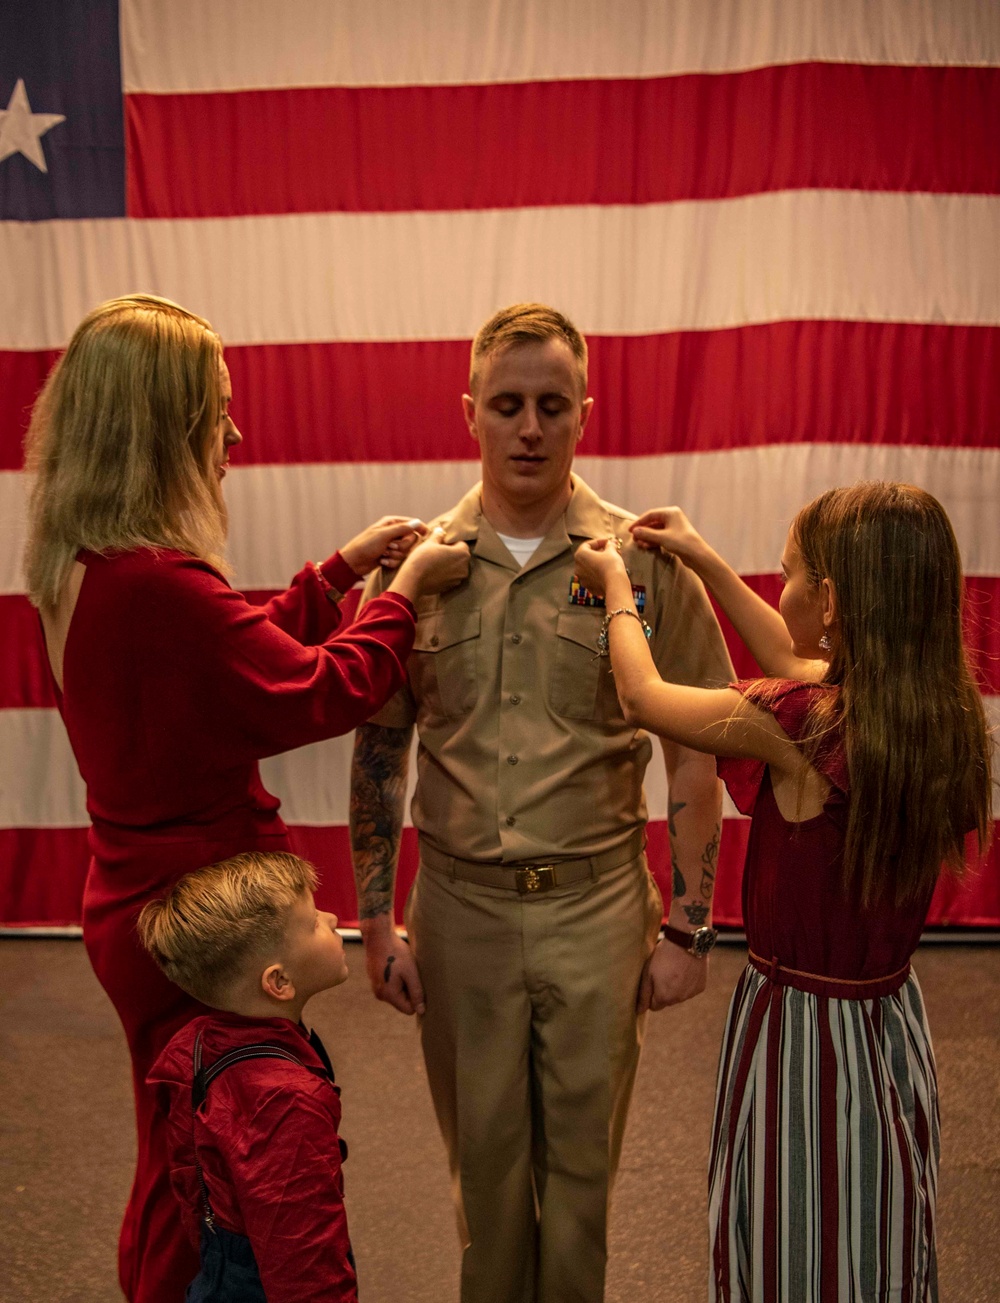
{"x":864,"y":762}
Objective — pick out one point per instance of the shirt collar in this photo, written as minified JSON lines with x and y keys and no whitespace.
{"x":586,"y":516}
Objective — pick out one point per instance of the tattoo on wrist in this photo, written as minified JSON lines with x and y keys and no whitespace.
{"x":696,"y":914}
{"x":378,"y":790}
{"x":709,"y":866}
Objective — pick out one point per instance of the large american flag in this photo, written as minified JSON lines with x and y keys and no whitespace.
{"x":776,"y":221}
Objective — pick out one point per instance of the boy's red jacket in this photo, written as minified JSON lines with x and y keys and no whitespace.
{"x":269,"y":1150}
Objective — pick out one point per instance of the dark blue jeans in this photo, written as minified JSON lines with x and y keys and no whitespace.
{"x":228,"y":1270}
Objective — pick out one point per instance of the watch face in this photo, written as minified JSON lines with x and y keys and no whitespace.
{"x":702,"y":941}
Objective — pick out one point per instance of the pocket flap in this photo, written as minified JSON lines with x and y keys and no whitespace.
{"x":581,"y":627}
{"x":442,"y":629}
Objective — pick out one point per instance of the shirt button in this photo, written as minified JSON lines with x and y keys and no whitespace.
{"x":515,"y":700}
{"x":512,"y":760}
{"x":515,"y":637}
{"x":510,"y":821}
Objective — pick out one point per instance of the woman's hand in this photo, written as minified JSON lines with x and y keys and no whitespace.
{"x":668,"y":528}
{"x":433,"y":566}
{"x":596,"y":562}
{"x":386,"y":543}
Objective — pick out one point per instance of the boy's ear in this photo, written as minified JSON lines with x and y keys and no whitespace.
{"x":276,"y":983}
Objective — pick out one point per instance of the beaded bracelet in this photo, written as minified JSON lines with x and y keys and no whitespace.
{"x":602,"y":638}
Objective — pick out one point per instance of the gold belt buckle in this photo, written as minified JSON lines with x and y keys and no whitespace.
{"x":536,"y":877}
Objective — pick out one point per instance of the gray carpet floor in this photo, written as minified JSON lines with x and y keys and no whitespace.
{"x":67,"y":1142}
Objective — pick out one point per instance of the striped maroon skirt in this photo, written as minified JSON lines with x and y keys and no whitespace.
{"x":825,"y":1146}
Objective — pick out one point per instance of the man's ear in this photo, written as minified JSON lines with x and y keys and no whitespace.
{"x":585,"y":410}
{"x":469,"y":412}
{"x":276,"y":983}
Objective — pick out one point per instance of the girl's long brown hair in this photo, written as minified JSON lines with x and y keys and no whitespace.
{"x":912,"y":718}
{"x":120,"y":440}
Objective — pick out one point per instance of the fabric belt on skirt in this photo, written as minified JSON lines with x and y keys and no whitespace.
{"x":528,"y":879}
{"x":834,"y":988}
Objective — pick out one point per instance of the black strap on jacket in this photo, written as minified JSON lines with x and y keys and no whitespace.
{"x":203,"y":1078}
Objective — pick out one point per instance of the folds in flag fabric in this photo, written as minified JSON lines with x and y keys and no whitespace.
{"x":778,"y":224}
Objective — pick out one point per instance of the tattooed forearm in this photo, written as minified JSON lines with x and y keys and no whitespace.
{"x":679,"y":885}
{"x":378,"y":791}
{"x":709,"y":865}
{"x":673,"y":810}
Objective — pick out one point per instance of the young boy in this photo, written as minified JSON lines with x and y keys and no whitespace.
{"x":253,"y":1111}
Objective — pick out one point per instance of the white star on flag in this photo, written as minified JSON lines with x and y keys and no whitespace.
{"x":21,"y":130}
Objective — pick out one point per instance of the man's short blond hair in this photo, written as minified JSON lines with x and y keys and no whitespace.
{"x":214,"y":921}
{"x":525,"y":323}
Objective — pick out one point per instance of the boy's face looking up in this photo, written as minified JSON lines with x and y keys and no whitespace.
{"x":312,"y":950}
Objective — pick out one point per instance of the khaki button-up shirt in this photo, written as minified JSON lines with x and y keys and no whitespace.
{"x":523,"y":752}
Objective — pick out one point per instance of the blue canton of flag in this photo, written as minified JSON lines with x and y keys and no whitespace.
{"x":62,"y":134}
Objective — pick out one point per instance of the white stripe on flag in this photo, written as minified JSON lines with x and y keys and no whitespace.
{"x":189,"y":45}
{"x":41,"y":788}
{"x":741,"y":500}
{"x":616,"y":270}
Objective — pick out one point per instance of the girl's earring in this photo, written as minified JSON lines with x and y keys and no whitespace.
{"x":824,"y":643}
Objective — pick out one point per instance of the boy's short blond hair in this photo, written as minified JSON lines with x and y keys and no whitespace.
{"x":526,"y":323}
{"x":214,"y":921}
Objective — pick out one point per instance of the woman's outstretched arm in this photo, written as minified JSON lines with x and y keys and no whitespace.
{"x":758,"y":624}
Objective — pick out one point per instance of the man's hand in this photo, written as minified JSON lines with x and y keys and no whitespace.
{"x":392,"y":970}
{"x":671,"y":976}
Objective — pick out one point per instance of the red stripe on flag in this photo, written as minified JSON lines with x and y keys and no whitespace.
{"x":689,"y":391}
{"x":21,"y":378}
{"x":25,"y":681}
{"x":982,"y":628}
{"x":46,"y":867}
{"x":43,"y":874}
{"x":696,"y":136}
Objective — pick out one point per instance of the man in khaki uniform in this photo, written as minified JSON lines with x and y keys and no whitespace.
{"x":533,"y":922}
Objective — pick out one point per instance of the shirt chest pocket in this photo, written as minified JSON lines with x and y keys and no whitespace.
{"x":581,"y":685}
{"x":444,"y":664}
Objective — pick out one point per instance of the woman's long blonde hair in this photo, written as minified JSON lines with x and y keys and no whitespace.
{"x":120,"y":442}
{"x":911,"y":715}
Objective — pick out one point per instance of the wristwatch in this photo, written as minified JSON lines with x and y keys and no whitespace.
{"x":698,"y":943}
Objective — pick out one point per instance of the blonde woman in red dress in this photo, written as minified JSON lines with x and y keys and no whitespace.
{"x":863,"y":760}
{"x":172,"y":686}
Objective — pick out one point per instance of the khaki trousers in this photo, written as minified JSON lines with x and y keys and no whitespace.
{"x":531,"y":1043}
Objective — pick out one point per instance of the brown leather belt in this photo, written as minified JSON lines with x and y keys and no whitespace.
{"x":529,"y":879}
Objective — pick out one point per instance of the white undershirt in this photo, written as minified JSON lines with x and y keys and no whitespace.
{"x":521,"y":549}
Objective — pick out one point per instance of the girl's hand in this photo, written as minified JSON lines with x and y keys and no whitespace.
{"x":668,"y":528}
{"x":386,"y":543}
{"x":596,"y":562}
